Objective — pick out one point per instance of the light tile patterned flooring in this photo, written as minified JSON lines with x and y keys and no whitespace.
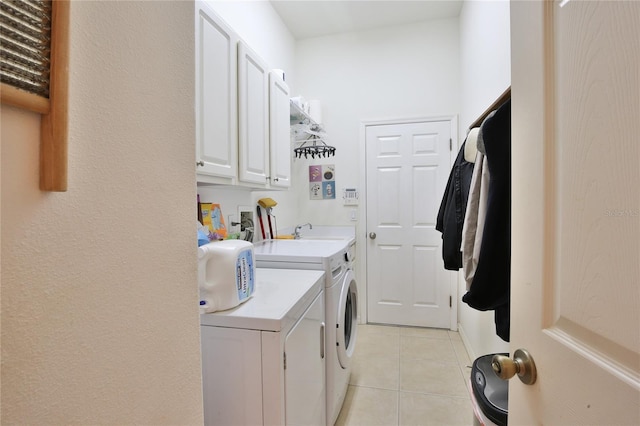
{"x":407,"y":376}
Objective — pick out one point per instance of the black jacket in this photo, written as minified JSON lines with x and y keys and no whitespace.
{"x":452,"y":210}
{"x":491,"y":286}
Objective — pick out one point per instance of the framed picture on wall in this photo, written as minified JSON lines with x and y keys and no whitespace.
{"x":322,"y":182}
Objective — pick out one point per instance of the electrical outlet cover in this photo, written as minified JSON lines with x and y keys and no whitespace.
{"x":247,"y":222}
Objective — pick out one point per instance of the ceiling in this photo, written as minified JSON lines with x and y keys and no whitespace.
{"x":306,"y":19}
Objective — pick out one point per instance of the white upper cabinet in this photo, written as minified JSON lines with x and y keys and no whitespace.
{"x":242,"y":111}
{"x":253,"y":116}
{"x":279,"y":136}
{"x":216,"y":98}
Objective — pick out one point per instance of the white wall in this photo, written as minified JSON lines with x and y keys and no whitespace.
{"x":100,"y":319}
{"x":257,"y":23}
{"x":485,"y":60}
{"x":394,"y":72}
{"x":485,"y":56}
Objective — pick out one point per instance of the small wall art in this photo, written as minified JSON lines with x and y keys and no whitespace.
{"x":322,"y":182}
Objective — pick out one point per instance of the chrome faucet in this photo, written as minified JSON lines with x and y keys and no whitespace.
{"x":296,"y":233}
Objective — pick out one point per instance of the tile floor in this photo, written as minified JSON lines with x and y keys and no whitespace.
{"x":407,"y":376}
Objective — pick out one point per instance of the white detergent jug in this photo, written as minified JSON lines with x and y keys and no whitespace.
{"x":226,"y":274}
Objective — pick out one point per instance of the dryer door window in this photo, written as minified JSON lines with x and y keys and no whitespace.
{"x":347,"y":319}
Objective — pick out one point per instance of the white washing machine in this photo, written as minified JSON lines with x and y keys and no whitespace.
{"x":341,"y":301}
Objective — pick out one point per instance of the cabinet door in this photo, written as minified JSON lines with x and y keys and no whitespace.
{"x":231,"y":376}
{"x":305,"y":368}
{"x":216,"y":95}
{"x":253,"y":116}
{"x":279,"y":138}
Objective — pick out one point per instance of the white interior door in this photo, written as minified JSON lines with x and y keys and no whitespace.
{"x":407,"y":167}
{"x":576,"y":211}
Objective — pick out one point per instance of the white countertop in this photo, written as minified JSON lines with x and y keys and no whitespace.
{"x":280,"y":297}
{"x":299,"y":251}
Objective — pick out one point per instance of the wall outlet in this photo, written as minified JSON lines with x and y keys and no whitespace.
{"x":232,"y":223}
{"x":247,"y":223}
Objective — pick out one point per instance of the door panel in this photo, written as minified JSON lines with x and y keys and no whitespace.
{"x":305,"y":368}
{"x":407,"y":169}
{"x":216,"y":97}
{"x":231,"y":356}
{"x":279,"y":140}
{"x":576,"y":211}
{"x":253,"y":116}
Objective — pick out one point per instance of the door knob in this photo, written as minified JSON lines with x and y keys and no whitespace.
{"x":522,"y":364}
{"x":372,"y":235}
{"x":200,"y":163}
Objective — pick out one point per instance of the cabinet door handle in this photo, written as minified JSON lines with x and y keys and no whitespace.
{"x":200,"y":163}
{"x":321,"y":340}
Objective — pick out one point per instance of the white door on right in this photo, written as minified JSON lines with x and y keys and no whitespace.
{"x":575,"y":283}
{"x":407,"y":168}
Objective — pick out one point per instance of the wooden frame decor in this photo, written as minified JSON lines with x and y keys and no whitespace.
{"x":34,"y":55}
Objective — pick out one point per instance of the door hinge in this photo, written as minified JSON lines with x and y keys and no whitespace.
{"x":285,"y":360}
{"x":450,"y":302}
{"x":450,"y":144}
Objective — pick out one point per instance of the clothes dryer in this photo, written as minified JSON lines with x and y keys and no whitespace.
{"x":263,"y":362}
{"x":341,"y":301}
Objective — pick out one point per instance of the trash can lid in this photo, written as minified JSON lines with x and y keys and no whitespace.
{"x":491,"y":392}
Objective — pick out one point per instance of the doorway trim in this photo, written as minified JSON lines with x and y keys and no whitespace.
{"x":361,"y":234}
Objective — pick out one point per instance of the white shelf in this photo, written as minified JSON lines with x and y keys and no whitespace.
{"x":303,"y":127}
{"x":298,"y":116}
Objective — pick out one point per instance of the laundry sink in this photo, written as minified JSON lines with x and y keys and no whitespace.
{"x":325,"y":233}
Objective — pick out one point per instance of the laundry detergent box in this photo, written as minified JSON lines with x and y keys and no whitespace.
{"x":226,"y":274}
{"x":213,"y":219}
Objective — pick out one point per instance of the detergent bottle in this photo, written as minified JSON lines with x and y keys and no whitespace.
{"x":226,"y":274}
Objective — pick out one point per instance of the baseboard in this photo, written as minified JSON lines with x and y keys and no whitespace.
{"x":466,"y":343}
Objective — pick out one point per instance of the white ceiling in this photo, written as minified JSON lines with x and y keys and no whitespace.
{"x":307,"y":19}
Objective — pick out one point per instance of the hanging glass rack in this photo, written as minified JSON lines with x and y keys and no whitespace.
{"x":309,"y":134}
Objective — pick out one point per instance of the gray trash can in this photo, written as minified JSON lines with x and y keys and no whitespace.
{"x":490,"y":393}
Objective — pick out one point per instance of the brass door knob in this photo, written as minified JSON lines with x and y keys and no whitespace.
{"x":522,"y":365}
